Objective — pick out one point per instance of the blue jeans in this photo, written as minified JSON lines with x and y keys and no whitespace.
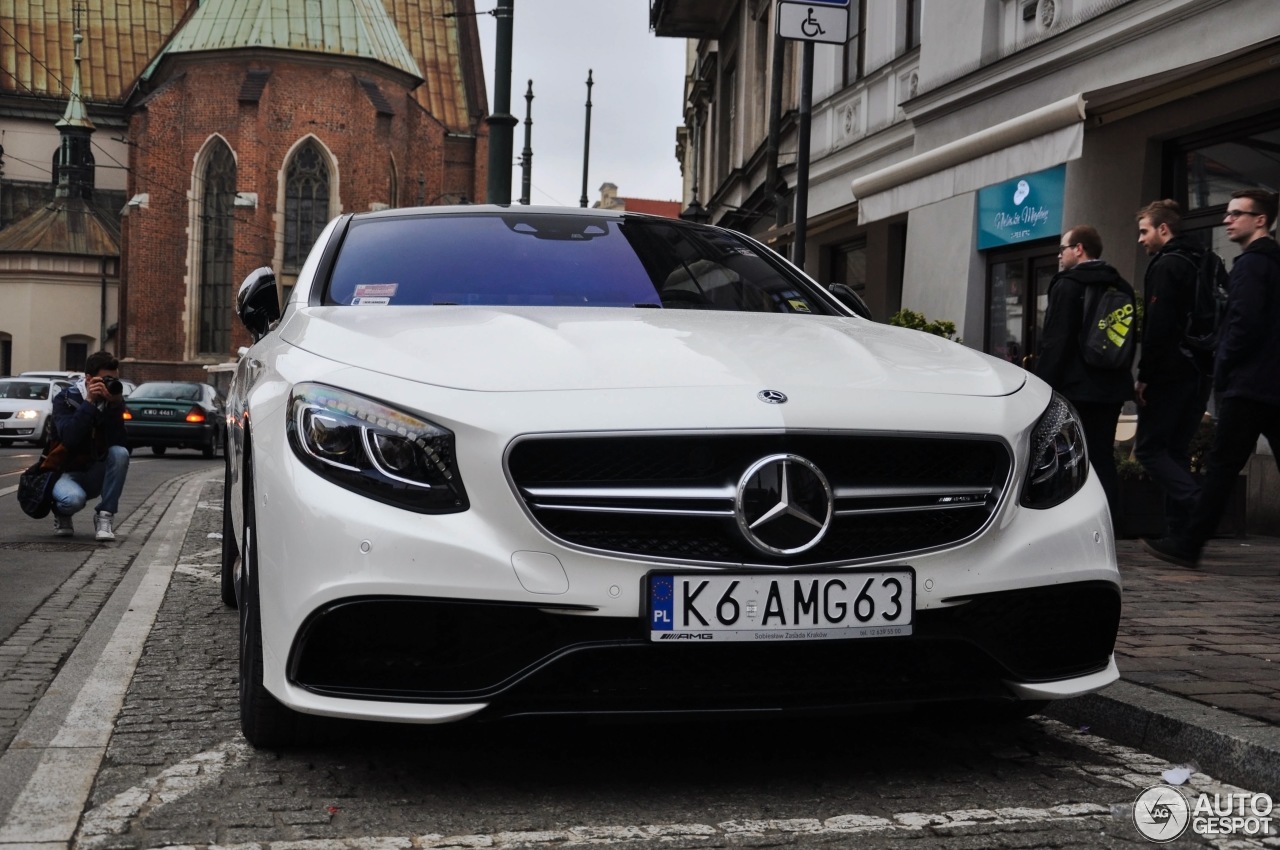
{"x":105,"y":478}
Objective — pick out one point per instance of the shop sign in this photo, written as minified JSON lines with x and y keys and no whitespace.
{"x":1022,"y":209}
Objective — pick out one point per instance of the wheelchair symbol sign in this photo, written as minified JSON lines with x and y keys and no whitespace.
{"x":822,"y":21}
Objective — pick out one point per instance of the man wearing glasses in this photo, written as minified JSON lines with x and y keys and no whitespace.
{"x":1097,"y":393}
{"x":1246,"y":372}
{"x":1172,"y":389}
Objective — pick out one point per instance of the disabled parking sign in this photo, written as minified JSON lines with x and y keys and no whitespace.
{"x":825,"y":21}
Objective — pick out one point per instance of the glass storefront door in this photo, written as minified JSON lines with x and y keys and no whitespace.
{"x":1017,"y":295}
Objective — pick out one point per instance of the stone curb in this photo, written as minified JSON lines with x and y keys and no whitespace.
{"x":1232,"y":748}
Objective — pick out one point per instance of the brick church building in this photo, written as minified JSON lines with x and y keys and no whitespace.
{"x":253,"y":125}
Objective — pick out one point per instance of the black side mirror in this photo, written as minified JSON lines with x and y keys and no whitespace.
{"x":258,"y":303}
{"x":850,"y":299}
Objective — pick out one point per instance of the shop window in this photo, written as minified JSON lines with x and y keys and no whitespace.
{"x":849,"y":265}
{"x":6,"y":354}
{"x":1017,"y":296}
{"x":1205,"y":169}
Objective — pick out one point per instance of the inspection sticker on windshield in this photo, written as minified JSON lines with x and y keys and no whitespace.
{"x":376,"y":290}
{"x":806,"y":606}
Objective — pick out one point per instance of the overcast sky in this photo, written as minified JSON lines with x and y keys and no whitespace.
{"x":635,"y":100}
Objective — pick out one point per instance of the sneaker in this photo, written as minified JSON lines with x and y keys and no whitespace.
{"x":1168,"y":549}
{"x":62,"y":526}
{"x":102,"y":526}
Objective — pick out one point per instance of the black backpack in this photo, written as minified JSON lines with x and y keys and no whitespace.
{"x":1208,"y":303}
{"x":1108,"y":337}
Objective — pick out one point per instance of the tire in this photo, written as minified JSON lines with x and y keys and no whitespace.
{"x":211,"y":450}
{"x":230,"y":553}
{"x":265,"y":722}
{"x":158,"y":451}
{"x":45,"y":433}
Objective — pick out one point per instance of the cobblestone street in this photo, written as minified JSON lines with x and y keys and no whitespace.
{"x":178,"y":774}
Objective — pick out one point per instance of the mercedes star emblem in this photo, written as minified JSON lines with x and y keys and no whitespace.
{"x":783,"y":505}
{"x":772,"y":397}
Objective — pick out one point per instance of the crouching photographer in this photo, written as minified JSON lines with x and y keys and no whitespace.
{"x":89,"y":446}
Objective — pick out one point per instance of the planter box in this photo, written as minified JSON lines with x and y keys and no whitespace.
{"x":1142,"y":509}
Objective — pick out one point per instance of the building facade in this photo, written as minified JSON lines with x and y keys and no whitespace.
{"x":239,"y":128}
{"x":927,"y":121}
{"x":953,"y":142}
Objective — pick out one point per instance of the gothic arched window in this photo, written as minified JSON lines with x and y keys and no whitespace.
{"x":306,"y":203}
{"x":217,"y":248}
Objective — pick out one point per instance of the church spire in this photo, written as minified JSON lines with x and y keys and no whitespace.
{"x":75,"y":159}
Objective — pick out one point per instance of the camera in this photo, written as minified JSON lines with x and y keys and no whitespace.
{"x":113,"y":385}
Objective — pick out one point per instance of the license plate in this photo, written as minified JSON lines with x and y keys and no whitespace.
{"x":809,"y":606}
{"x":157,"y":411}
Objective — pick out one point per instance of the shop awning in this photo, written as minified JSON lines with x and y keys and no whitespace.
{"x":1048,"y":136}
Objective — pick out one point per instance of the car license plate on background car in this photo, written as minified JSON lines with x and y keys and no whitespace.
{"x":810,"y":606}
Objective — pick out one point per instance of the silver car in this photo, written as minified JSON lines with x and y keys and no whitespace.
{"x":26,"y":408}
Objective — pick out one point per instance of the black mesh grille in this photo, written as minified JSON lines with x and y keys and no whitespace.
{"x":716,"y":463}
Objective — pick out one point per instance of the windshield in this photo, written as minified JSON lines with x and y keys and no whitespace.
{"x":542,"y":259}
{"x":167,"y":389}
{"x":25,"y":390}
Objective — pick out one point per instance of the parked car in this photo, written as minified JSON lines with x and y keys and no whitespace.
{"x":61,"y":375}
{"x":175,"y":415}
{"x":26,"y":408}
{"x":493,"y":461}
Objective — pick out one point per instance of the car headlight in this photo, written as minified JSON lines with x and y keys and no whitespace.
{"x":1059,"y":462}
{"x":380,"y":452}
{"x":27,"y":414}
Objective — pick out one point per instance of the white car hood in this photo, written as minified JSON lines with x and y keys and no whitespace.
{"x":551,"y":349}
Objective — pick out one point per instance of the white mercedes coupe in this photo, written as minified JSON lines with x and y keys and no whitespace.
{"x":489,"y":462}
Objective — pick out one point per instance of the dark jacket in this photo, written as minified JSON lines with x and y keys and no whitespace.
{"x":1248,"y":357}
{"x":85,"y":429}
{"x":1058,"y":360}
{"x":1168,"y":291}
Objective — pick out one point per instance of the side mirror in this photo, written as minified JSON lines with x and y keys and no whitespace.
{"x":850,"y":299}
{"x":258,"y":303}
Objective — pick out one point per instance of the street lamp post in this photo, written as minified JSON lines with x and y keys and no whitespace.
{"x":586,"y":144}
{"x":501,"y":123}
{"x":526,"y":156}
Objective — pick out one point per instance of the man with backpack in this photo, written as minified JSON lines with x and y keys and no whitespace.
{"x":1087,"y":345}
{"x":1172,"y":389}
{"x":1246,"y":372}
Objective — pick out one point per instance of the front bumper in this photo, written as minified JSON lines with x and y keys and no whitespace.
{"x":525,"y":659}
{"x":171,"y":436}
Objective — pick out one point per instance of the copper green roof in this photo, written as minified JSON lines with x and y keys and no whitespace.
{"x":124,"y":37}
{"x":63,"y":226}
{"x":356,"y":28}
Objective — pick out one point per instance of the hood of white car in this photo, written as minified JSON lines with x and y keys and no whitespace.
{"x":551,"y":349}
